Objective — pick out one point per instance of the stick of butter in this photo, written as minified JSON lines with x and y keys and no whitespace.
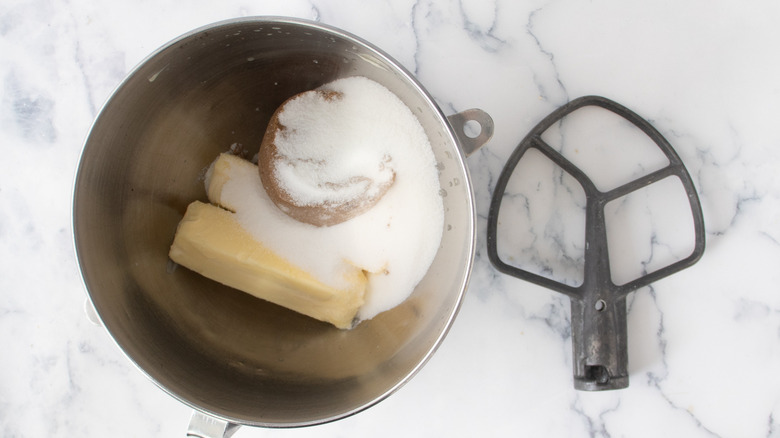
{"x":209,"y":240}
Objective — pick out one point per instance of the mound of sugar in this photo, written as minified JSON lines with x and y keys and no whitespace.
{"x":396,"y":240}
{"x":335,"y":147}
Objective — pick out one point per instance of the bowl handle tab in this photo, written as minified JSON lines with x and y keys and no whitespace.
{"x":204,"y":426}
{"x":469,"y":136}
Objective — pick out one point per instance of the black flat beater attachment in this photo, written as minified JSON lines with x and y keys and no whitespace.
{"x":598,"y":305}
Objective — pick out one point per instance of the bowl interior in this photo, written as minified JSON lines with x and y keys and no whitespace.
{"x":214,"y":348}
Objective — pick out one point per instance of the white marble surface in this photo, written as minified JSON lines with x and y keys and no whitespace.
{"x":704,"y":344}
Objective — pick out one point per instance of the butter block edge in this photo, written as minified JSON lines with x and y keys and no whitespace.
{"x":212,"y":243}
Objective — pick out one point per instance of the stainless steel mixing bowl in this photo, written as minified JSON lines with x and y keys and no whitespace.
{"x":236,"y":358}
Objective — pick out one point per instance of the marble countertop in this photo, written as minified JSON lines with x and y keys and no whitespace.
{"x":704,"y":344}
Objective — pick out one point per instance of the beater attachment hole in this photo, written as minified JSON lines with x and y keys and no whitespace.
{"x":597,"y":374}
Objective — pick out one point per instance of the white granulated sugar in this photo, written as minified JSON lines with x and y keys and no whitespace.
{"x":396,"y":240}
{"x":335,"y":149}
